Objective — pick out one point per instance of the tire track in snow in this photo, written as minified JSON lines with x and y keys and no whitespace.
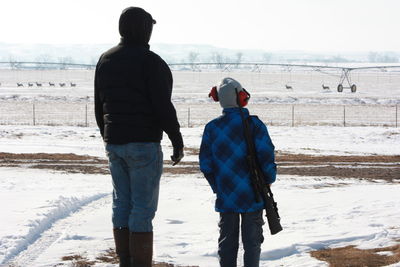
{"x":35,"y":242}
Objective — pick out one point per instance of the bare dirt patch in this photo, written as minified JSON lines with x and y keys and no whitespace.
{"x":375,"y":167}
{"x":191,"y":151}
{"x":353,"y":257}
{"x":184,"y":167}
{"x":109,"y":256}
{"x":70,"y":163}
{"x":78,"y":260}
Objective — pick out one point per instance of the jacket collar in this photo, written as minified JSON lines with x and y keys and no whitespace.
{"x":235,"y":110}
{"x":128,"y":42}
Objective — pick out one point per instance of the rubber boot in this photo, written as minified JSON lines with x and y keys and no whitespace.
{"x":121,"y":238}
{"x":141,"y":249}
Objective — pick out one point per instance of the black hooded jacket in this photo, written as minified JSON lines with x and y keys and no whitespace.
{"x":133,"y":87}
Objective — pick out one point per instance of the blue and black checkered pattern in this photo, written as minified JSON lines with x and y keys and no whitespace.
{"x":222,"y":156}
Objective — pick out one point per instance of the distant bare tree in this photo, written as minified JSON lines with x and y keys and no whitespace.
{"x":239,"y":56}
{"x":218,"y":58}
{"x":389,"y":57}
{"x":65,"y":61}
{"x":192,"y":57}
{"x":13,"y":62}
{"x":238,"y":59}
{"x":43,"y":58}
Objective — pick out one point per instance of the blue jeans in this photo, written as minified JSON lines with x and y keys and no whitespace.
{"x":252,"y":238}
{"x":136,"y":170}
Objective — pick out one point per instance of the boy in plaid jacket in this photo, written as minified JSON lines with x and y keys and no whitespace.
{"x":223,"y":162}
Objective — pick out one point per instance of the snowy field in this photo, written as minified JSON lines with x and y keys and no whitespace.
{"x":54,"y":214}
{"x":374,"y":104}
{"x":49,"y":213}
{"x":268,"y":86}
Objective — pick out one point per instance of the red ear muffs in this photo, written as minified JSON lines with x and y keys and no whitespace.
{"x":243,"y":98}
{"x":214,"y":94}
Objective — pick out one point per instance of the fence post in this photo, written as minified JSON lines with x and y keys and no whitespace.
{"x":188,"y":123}
{"x":86,"y":116}
{"x":292,"y":115}
{"x":344,"y":116}
{"x":33,"y":114}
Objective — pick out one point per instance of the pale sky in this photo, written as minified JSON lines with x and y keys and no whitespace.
{"x":311,"y":25}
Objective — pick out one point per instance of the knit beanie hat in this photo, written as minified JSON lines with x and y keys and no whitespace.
{"x":227,"y":94}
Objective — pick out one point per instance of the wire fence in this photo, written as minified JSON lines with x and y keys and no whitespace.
{"x":195,"y":115}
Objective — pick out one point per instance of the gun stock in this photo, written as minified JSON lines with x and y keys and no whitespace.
{"x":272,"y":214}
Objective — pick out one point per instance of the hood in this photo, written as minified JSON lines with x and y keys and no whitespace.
{"x":136,"y":25}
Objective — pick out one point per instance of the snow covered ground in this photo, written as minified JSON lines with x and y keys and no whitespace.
{"x":374,"y":104}
{"x":269,"y":86}
{"x":321,"y":140}
{"x":54,"y":214}
{"x":48,"y":214}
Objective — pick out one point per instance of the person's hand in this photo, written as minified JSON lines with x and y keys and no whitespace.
{"x":177,"y":156}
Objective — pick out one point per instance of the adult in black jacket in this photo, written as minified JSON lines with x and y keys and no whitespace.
{"x":133,"y":108}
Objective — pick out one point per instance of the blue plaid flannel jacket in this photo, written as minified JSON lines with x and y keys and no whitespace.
{"x":223,"y":162}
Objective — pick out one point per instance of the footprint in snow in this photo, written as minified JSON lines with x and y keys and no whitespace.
{"x":375,"y":225}
{"x":169,"y":221}
{"x":78,"y":237}
{"x":183,"y":244}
